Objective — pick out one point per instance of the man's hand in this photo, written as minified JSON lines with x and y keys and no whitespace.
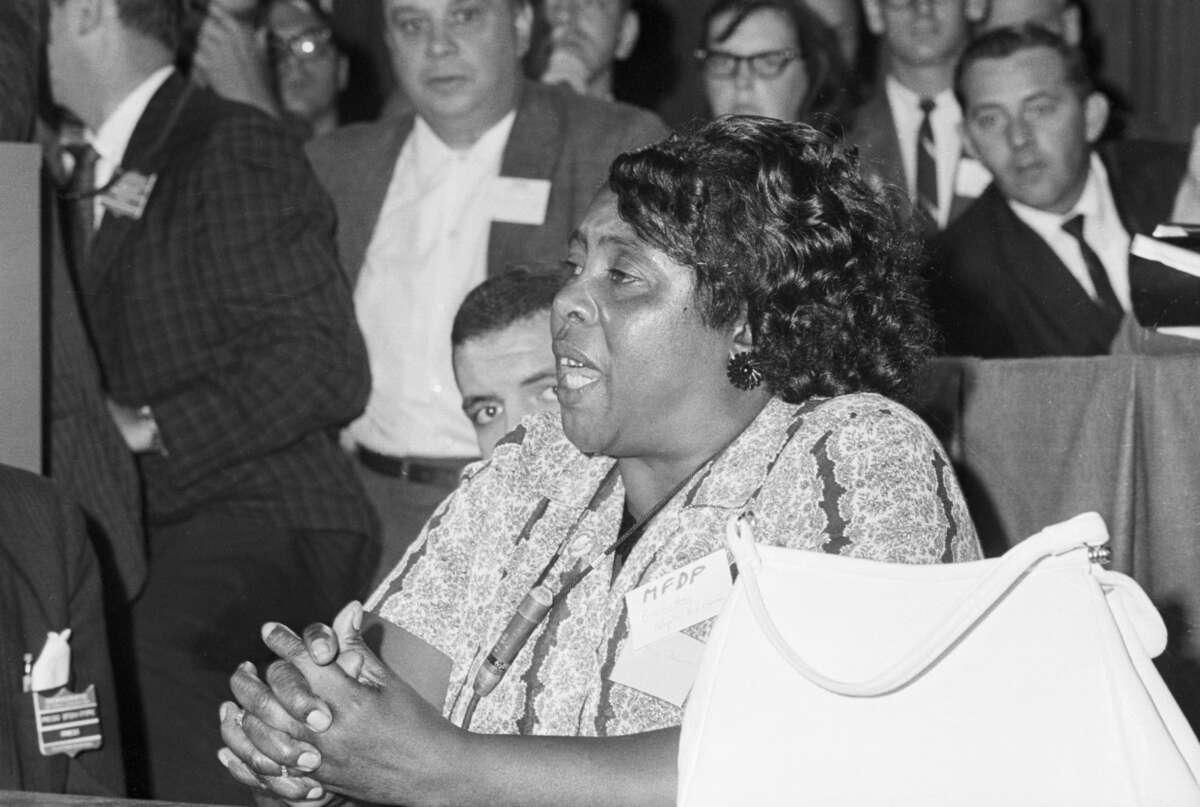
{"x":232,"y":61}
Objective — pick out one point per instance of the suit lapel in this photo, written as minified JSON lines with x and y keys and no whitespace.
{"x":878,"y":141}
{"x":529,"y":153}
{"x":359,"y":211}
{"x":1048,"y":284}
{"x":146,"y":156}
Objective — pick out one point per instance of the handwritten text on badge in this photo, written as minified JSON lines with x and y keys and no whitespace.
{"x":678,"y":599}
{"x":519,"y":201}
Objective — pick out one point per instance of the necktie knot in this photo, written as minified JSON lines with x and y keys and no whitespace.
{"x":1074,"y":226}
{"x":83,"y":173}
{"x":79,"y":199}
{"x":927,"y":106}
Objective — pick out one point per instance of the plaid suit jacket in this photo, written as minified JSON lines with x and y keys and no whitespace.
{"x":223,"y":308}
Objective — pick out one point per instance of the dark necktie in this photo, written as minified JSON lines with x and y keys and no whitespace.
{"x":1104,"y":290}
{"x":927,"y":178}
{"x":81,"y":201}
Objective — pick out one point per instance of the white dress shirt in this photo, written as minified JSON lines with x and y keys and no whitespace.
{"x":428,"y":250}
{"x":1102,"y":229}
{"x":112,"y":138}
{"x":945,"y":119}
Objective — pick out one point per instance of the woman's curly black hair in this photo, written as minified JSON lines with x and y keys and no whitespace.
{"x":775,"y":219}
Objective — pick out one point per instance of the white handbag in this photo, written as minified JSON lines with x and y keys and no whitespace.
{"x":1024,"y":680}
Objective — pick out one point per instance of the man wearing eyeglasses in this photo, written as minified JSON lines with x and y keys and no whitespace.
{"x":587,"y":37}
{"x":487,"y":170}
{"x":908,"y":133}
{"x":310,"y":70}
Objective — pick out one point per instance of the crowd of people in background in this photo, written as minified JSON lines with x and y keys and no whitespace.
{"x":282,"y":332}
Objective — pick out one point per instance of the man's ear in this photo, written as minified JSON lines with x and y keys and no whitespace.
{"x":874,"y":17}
{"x":631,"y":26}
{"x":343,"y":73}
{"x":1072,"y":20}
{"x":523,"y":22}
{"x":1095,"y":115}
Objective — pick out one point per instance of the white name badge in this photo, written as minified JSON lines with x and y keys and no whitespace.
{"x":518,"y":201}
{"x":971,"y":179}
{"x":665,"y":669}
{"x":129,"y":194}
{"x":678,"y":599}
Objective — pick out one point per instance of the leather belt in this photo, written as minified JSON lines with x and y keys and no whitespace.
{"x":444,"y":473}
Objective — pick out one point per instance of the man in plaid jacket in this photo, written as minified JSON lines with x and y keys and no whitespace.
{"x":230,"y":356}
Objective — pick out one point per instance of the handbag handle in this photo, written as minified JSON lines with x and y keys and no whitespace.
{"x":1087,"y":529}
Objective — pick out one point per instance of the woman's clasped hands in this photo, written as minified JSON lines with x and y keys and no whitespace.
{"x":330,"y":717}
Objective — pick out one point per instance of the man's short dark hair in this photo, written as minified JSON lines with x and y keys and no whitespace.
{"x":500,"y":301}
{"x":1001,"y":43}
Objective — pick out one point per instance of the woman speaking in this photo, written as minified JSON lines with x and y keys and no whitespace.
{"x":740,"y":305}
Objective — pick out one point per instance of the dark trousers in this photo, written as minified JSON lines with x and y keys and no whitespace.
{"x":403,"y":507}
{"x":212,"y":582}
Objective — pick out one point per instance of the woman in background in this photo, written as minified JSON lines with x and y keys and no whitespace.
{"x":774,"y":58}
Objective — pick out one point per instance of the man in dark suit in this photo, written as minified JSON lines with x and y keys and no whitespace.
{"x":1039,"y":265}
{"x":18,"y":68}
{"x":488,"y":171}
{"x":50,"y":581}
{"x":907,"y":133}
{"x":229,"y":354}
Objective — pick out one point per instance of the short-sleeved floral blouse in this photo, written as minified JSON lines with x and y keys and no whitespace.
{"x":857,"y":475}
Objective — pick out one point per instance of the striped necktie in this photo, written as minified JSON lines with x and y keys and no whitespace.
{"x":927,"y":178}
{"x":1104,"y":290}
{"x":81,"y":202}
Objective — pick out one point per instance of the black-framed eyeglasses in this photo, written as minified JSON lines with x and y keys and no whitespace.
{"x":765,"y":64}
{"x":311,"y":44}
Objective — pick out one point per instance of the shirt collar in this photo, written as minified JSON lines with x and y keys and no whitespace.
{"x":430,"y":145}
{"x":112,"y":138}
{"x":943,"y":101}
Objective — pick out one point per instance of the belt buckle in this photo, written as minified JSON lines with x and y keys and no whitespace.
{"x":414,"y":472}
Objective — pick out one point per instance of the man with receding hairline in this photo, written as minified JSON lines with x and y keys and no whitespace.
{"x":488,"y":170}
{"x":1040,"y":264}
{"x":587,"y":37}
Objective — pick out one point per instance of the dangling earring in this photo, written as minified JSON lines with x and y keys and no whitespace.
{"x":742,"y":371}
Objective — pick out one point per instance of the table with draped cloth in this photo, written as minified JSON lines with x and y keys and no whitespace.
{"x":1036,"y":441}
